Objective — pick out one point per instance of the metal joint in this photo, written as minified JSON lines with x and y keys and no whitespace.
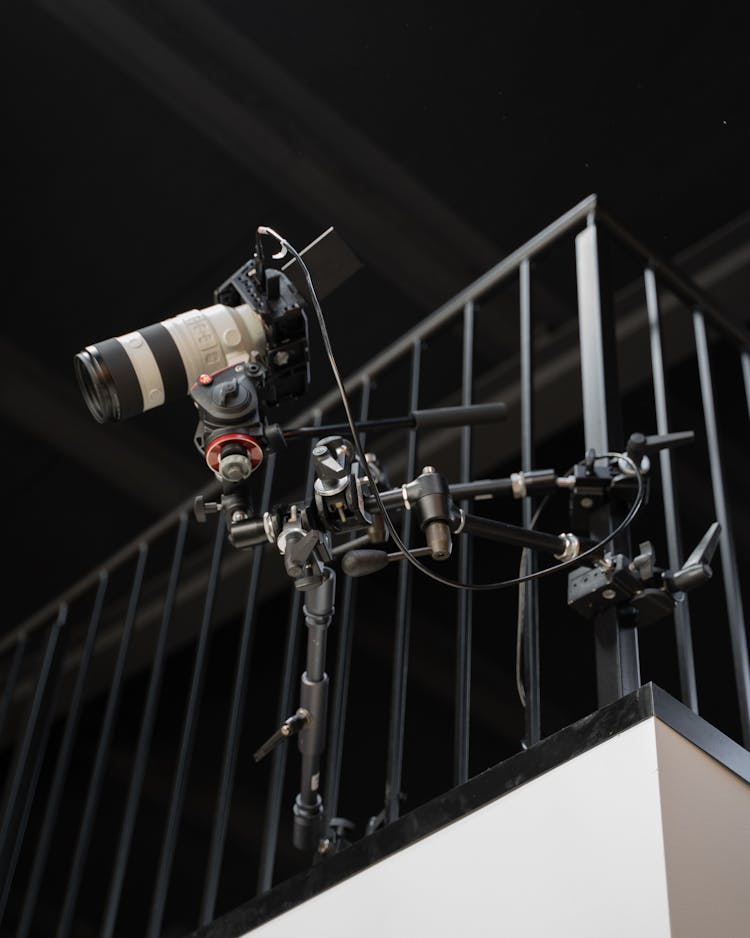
{"x":518,"y":484}
{"x":571,"y":549}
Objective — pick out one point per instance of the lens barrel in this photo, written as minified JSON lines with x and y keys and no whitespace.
{"x":129,"y":374}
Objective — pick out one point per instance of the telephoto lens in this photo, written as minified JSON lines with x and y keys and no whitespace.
{"x":129,"y":374}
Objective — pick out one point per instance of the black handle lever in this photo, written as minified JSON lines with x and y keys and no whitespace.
{"x":296,"y":722}
{"x":696,"y":570}
{"x":639,"y":444}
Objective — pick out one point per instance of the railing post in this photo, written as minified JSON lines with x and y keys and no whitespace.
{"x":683,"y":633}
{"x":730,"y":573}
{"x":465,"y":597}
{"x":400,"y":669}
{"x":616,"y":644}
{"x":530,"y":592}
{"x":340,"y":682}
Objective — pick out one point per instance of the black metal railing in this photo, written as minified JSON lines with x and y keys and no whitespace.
{"x":583,"y":333}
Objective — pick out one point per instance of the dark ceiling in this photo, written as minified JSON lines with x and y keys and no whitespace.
{"x":146,"y":141}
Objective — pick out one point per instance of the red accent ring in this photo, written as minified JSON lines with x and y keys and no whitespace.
{"x":254,"y":451}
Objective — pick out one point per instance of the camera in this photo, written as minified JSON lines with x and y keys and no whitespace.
{"x":258,"y":317}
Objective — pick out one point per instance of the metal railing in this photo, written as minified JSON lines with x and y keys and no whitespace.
{"x":91,"y":677}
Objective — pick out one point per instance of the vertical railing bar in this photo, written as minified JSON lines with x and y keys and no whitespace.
{"x":179,"y":784}
{"x":33,"y":766}
{"x":728,"y":558}
{"x":10,"y":683}
{"x":18,"y":775}
{"x":462,"y":716}
{"x":400,"y":670}
{"x":232,"y":741}
{"x":745,"y":360}
{"x":683,"y":635}
{"x":529,"y":590}
{"x":145,"y":735}
{"x":272,"y":816}
{"x":97,"y":776}
{"x":615,"y":644}
{"x":340,"y":687}
{"x":63,"y":763}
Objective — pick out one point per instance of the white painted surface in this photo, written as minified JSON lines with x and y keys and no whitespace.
{"x":706,"y":821}
{"x":575,"y":853}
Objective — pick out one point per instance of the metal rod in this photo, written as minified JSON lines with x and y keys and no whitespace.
{"x":616,"y":647}
{"x":400,"y":670}
{"x":745,"y":360}
{"x":16,"y":778}
{"x":288,"y":688}
{"x":683,"y":635}
{"x":393,"y":499}
{"x":462,"y":716}
{"x":62,"y":765}
{"x":10,"y":681}
{"x":179,"y":785}
{"x":730,"y":573}
{"x":513,"y":534}
{"x":30,"y":757}
{"x":382,"y":423}
{"x":144,"y":736}
{"x":105,"y":737}
{"x":341,"y":676}
{"x":272,"y":815}
{"x":237,"y":709}
{"x":529,"y":590}
{"x":591,"y":338}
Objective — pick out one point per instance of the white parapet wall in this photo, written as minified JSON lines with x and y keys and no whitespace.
{"x":643,"y":834}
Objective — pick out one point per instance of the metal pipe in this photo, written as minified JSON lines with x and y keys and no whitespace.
{"x":340,"y":683}
{"x":683,"y":635}
{"x":237,"y":709}
{"x":62,"y":764}
{"x":400,"y":669}
{"x":97,"y":776}
{"x":730,"y":573}
{"x":462,"y":716}
{"x":28,"y":757}
{"x":529,"y":590}
{"x":179,"y":784}
{"x":616,"y":647}
{"x":9,"y":689}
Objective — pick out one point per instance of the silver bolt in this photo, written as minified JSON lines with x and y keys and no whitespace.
{"x":586,"y":502}
{"x":239,"y":516}
{"x":235,"y":467}
{"x":608,"y":594}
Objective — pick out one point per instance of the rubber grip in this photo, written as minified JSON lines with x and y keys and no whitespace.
{"x":459,"y":416}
